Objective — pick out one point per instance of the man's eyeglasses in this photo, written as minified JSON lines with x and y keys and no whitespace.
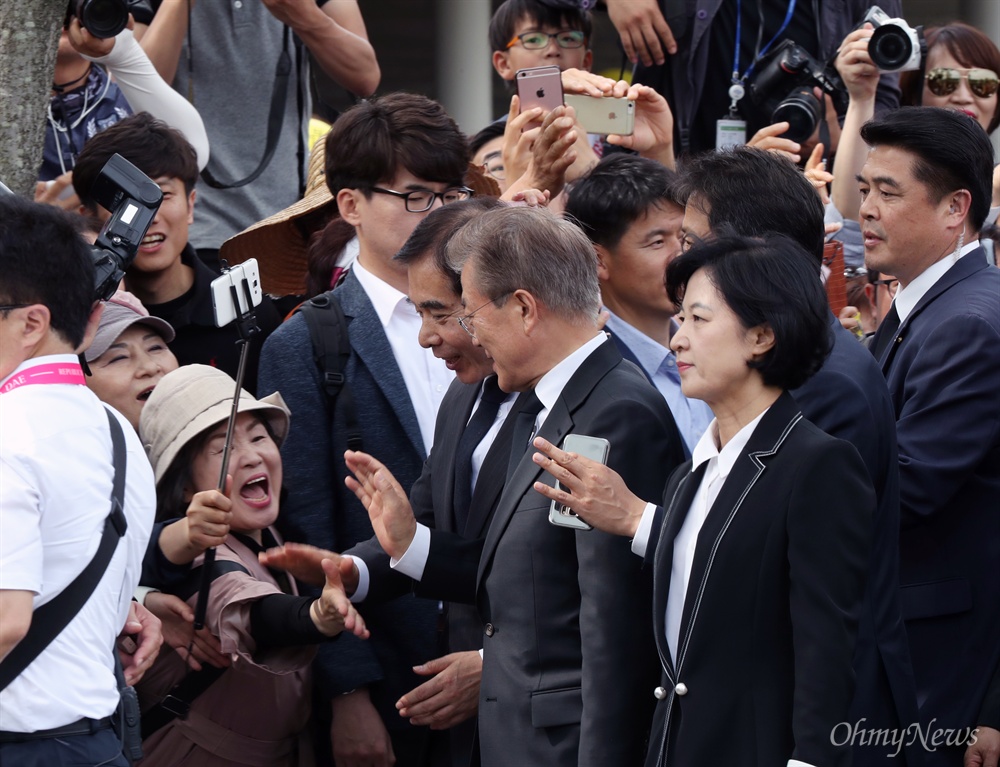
{"x":466,"y":321}
{"x":944,"y":80}
{"x":535,"y":41}
{"x":9,"y":307}
{"x":493,"y":165}
{"x":891,"y":284}
{"x":420,"y":200}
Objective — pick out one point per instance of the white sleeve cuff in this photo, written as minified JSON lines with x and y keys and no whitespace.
{"x":641,"y":540}
{"x":414,"y":559}
{"x":364,"y":579}
{"x":141,"y":592}
{"x":797,"y":763}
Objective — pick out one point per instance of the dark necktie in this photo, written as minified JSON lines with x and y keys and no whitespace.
{"x":886,"y":332}
{"x":474,"y":433}
{"x":527,"y":408}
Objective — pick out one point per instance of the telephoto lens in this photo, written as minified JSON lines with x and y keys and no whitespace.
{"x":102,"y":18}
{"x":802,"y":111}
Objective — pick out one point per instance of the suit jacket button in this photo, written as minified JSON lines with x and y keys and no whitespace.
{"x":490,"y":629}
{"x":681,"y":688}
{"x":660,"y":693}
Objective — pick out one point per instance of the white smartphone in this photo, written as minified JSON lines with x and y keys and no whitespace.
{"x":594,"y":448}
{"x":603,"y":115}
{"x":539,"y":87}
{"x":225,"y":306}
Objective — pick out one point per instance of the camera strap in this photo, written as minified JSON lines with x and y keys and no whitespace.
{"x":275,"y":119}
{"x":49,"y":620}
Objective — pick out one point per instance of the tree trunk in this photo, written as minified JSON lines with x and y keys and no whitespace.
{"x":29,"y":37}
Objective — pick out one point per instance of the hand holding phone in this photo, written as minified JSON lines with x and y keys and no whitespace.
{"x":539,"y":87}
{"x":603,"y":115}
{"x":594,"y":448}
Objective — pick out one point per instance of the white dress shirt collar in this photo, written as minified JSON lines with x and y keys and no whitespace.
{"x":908,"y":297}
{"x":384,"y":297}
{"x":550,"y":385}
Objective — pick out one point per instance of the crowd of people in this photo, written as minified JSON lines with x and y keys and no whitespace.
{"x":360,"y":526}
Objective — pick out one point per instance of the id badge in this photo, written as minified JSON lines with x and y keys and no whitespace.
{"x":730,"y":132}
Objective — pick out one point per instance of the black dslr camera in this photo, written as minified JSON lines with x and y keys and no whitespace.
{"x":782,"y":89}
{"x":106,"y":18}
{"x":133,"y":200}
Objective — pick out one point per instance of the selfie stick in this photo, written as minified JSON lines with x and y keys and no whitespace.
{"x":246,"y":323}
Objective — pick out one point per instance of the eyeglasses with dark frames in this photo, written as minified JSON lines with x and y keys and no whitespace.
{"x":536,"y":41}
{"x":420,"y":200}
{"x":465,"y":321}
{"x":9,"y":307}
{"x":891,"y":284}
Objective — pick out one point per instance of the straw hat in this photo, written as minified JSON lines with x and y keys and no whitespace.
{"x":277,"y":242}
{"x":122,"y":311}
{"x":190,"y":400}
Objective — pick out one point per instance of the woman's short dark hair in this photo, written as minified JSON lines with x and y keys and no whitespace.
{"x":970,"y":47}
{"x":765,"y":281}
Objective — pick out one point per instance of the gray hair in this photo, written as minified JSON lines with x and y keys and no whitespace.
{"x":522,"y":248}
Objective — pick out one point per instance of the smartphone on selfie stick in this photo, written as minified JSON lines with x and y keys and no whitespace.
{"x":236,"y":293}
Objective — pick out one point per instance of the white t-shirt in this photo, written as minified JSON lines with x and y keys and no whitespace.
{"x":56,"y":479}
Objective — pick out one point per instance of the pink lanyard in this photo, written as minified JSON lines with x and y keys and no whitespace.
{"x":51,"y":373}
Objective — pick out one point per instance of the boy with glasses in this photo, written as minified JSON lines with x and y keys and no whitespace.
{"x":537,"y":33}
{"x":389,"y":162}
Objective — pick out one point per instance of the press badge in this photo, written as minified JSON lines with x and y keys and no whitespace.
{"x":730,"y":132}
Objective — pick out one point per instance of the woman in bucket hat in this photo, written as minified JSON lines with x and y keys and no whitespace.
{"x":254,"y":712}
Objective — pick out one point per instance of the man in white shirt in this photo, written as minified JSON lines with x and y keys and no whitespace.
{"x":564,"y":614}
{"x":56,"y":478}
{"x":925,"y":191}
{"x":389,"y":162}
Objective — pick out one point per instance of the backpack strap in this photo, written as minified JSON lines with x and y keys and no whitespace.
{"x":332,"y":349}
{"x":49,"y":620}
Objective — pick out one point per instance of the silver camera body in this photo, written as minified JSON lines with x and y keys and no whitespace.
{"x":894,"y":46}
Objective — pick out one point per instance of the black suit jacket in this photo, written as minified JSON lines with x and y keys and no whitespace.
{"x":848,"y":399}
{"x":568,"y":657}
{"x":431,"y":498}
{"x":943,"y":373}
{"x":763,"y":672}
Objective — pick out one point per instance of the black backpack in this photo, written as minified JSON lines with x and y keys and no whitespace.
{"x":331,"y":350}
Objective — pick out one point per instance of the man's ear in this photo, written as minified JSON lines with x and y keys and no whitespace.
{"x":603,"y":273}
{"x":191,"y":199}
{"x":527,"y":307}
{"x":35,"y":323}
{"x":347,"y":204}
{"x":501,"y":63}
{"x":958,"y":205}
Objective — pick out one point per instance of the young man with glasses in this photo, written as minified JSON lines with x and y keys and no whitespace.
{"x":389,"y":162}
{"x":537,"y":33}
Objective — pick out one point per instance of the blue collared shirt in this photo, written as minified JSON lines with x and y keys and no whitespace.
{"x":658,"y":363}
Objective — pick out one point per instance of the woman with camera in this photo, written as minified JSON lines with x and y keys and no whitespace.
{"x":760,"y":545}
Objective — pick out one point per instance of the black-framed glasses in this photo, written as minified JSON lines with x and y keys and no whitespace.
{"x":944,"y":80}
{"x":8,"y":307}
{"x":535,"y":41}
{"x":420,"y":200}
{"x":891,"y":284}
{"x":465,"y":320}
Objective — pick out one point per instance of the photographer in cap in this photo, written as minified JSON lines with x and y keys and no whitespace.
{"x":56,"y":484}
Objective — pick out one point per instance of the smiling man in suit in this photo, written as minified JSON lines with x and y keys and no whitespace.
{"x":389,"y":161}
{"x":567,"y":663}
{"x":926,"y":192}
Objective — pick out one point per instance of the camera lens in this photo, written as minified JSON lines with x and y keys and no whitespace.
{"x":890,"y":47}
{"x":802,"y":111}
{"x":102,"y":18}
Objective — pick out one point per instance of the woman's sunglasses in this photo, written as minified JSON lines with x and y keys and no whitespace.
{"x":944,"y":80}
